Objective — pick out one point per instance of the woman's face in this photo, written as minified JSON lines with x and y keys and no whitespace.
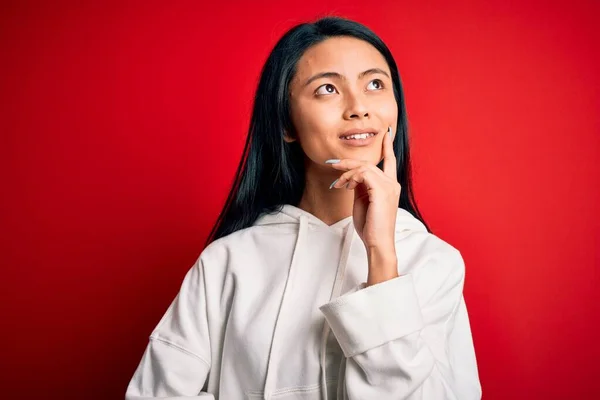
{"x":342,"y":84}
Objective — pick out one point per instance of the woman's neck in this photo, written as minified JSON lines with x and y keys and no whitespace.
{"x":329,"y":205}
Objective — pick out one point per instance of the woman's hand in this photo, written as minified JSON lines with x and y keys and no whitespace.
{"x":376,"y":196}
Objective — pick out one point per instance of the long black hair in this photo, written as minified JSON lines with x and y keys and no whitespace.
{"x":271,"y":170}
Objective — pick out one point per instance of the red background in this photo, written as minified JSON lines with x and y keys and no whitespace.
{"x":122,"y":125}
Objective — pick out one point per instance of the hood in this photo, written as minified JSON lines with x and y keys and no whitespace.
{"x":289,"y":214}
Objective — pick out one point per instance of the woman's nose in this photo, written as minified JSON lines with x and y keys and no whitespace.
{"x":356,"y":107}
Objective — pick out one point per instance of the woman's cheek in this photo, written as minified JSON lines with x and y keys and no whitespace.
{"x":320,"y":120}
{"x":390,"y":108}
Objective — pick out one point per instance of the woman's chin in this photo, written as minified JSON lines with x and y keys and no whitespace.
{"x":363,"y":154}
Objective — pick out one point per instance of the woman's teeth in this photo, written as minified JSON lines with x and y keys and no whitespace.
{"x":358,"y":136}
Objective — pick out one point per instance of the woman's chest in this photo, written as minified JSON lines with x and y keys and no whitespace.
{"x":275,"y":328}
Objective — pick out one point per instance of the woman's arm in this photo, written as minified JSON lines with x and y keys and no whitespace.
{"x":177,"y":360}
{"x":408,"y":337}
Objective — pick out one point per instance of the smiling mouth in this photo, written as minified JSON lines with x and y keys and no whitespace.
{"x":358,"y":136}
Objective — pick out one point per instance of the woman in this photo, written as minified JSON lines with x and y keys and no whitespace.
{"x":320,"y":279}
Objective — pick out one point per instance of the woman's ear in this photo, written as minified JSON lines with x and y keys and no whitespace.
{"x":287,"y":137}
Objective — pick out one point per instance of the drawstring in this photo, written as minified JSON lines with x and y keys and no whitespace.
{"x":337,"y":288}
{"x":271,"y":377}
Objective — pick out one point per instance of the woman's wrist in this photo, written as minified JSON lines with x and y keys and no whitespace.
{"x":383,"y":265}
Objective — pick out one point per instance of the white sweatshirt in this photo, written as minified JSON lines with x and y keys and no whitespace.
{"x":280,"y":310}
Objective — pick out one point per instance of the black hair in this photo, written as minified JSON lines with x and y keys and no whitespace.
{"x":271,"y":170}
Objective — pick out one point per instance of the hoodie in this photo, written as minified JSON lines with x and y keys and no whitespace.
{"x":280,"y":310}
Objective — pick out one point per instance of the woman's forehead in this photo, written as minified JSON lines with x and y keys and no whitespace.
{"x":345,"y":55}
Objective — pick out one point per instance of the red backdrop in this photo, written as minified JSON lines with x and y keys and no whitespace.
{"x":122,"y":125}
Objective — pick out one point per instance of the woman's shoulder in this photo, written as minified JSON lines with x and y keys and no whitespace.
{"x":436,"y":264}
{"x":425,"y":254}
{"x":243,"y":243}
{"x":411,"y":234}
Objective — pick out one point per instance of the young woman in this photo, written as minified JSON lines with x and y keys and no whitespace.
{"x":320,"y":279}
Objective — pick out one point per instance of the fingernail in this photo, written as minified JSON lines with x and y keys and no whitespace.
{"x":332,"y":161}
{"x":390,"y":131}
{"x":333,"y":183}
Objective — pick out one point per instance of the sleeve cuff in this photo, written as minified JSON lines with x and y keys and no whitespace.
{"x":375,"y":315}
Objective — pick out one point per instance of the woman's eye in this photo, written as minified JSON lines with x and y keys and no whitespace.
{"x":326,"y":89}
{"x":377,"y":84}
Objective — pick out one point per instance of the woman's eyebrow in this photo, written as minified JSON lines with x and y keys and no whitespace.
{"x":337,"y":75}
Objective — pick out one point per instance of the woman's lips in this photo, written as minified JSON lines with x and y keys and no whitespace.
{"x":359,"y":142}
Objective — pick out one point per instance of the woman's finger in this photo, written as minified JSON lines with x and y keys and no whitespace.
{"x":346,"y":164}
{"x":349,"y":164}
{"x":363,"y":174}
{"x":389,"y":158}
{"x":370,"y":180}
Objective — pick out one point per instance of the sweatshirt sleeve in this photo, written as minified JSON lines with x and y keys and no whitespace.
{"x":409,"y":337}
{"x":177,"y":359}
